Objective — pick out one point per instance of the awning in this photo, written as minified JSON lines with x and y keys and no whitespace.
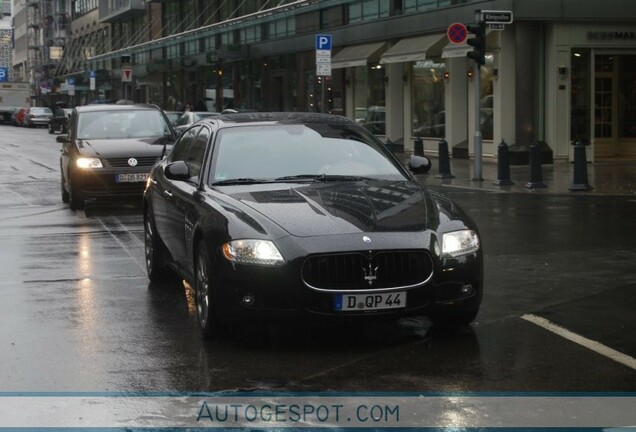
{"x":415,"y":49}
{"x":460,"y":50}
{"x":357,"y":55}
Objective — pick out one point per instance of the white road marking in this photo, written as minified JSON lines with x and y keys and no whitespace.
{"x":583,"y":341}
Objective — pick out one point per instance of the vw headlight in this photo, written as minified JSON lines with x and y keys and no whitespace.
{"x":85,"y":163}
{"x":262,"y":252}
{"x":458,"y":243}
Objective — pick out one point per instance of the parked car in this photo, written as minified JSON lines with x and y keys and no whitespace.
{"x":110,"y":149}
{"x":281,"y":215}
{"x":375,"y":120}
{"x":59,"y":122}
{"x":190,"y":117}
{"x":437,"y":128}
{"x":37,"y":117}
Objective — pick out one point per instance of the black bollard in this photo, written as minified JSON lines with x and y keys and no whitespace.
{"x":444,"y":161}
{"x":536,"y":175}
{"x":579,"y":182}
{"x":418,"y":147}
{"x":503,"y":166}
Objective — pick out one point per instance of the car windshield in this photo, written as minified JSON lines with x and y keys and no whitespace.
{"x":309,"y":151}
{"x":121,"y":124}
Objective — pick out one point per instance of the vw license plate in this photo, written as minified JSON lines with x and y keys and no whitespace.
{"x":358,"y":302}
{"x":131,"y":178}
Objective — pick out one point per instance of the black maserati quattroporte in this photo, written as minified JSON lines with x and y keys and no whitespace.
{"x":290,"y":214}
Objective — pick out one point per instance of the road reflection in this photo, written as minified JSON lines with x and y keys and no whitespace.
{"x":307,"y":356}
{"x":123,"y":208}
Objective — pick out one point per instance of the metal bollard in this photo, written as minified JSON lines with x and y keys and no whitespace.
{"x":536,"y":174}
{"x":579,"y":182}
{"x":444,"y":161}
{"x":418,"y":147}
{"x":503,"y":165}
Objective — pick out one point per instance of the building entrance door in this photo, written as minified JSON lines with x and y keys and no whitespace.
{"x":614,"y":114}
{"x":604,"y":106}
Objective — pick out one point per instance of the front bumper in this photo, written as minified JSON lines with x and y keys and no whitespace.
{"x":103,"y":183}
{"x":243,"y":291}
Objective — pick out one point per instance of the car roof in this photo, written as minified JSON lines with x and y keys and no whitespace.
{"x":115,"y":107}
{"x":260,"y":118}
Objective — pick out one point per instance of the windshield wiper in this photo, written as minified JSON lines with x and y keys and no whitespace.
{"x":335,"y":177}
{"x":302,"y":177}
{"x":236,"y":181}
{"x":321,"y":177}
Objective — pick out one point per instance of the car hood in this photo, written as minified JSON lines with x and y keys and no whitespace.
{"x":337,"y":207}
{"x":123,"y":147}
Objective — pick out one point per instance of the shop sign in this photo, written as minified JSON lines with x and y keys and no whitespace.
{"x":611,"y":35}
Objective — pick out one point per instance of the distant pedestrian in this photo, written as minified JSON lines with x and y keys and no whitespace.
{"x":188,"y":107}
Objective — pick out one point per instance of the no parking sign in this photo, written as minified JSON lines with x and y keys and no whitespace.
{"x":457,"y":33}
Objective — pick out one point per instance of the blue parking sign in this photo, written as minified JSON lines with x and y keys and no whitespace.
{"x":323,"y":42}
{"x":4,"y":74}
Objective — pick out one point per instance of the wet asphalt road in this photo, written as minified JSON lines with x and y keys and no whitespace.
{"x":77,"y":312}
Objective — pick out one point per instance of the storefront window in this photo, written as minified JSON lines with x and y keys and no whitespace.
{"x":369,"y":98}
{"x":428,"y":112}
{"x":487,"y":98}
{"x":627,"y":97}
{"x":603,"y":96}
{"x":580,"y":97}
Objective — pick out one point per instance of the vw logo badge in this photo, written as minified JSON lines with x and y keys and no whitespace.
{"x":366,"y":239}
{"x":132,"y":162}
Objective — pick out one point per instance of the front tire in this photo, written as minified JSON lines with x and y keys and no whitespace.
{"x":75,"y":202}
{"x":204,"y":296}
{"x":155,"y":255}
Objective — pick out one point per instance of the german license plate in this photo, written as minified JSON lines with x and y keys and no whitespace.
{"x":360,"y":302}
{"x":131,"y":178}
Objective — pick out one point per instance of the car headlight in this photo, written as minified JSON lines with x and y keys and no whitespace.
{"x":458,"y":243}
{"x":262,"y":252}
{"x":85,"y":163}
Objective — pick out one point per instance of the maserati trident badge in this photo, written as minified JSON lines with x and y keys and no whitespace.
{"x":370,"y":274}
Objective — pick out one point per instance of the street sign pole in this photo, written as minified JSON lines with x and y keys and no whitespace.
{"x":477,"y":85}
{"x":323,"y":65}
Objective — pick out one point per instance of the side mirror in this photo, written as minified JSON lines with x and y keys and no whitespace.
{"x":62,"y":139}
{"x":177,"y":171}
{"x":419,"y":164}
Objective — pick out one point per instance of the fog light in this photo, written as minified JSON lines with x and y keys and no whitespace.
{"x":467,"y":289}
{"x":249,"y":300}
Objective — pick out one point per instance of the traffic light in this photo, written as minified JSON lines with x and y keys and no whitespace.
{"x":478,"y":42}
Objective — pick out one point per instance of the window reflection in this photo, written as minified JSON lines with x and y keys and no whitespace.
{"x":369,"y":98}
{"x":487,"y":101}
{"x":428,"y":114}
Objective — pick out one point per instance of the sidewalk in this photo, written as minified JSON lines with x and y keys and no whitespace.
{"x":606,"y":177}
